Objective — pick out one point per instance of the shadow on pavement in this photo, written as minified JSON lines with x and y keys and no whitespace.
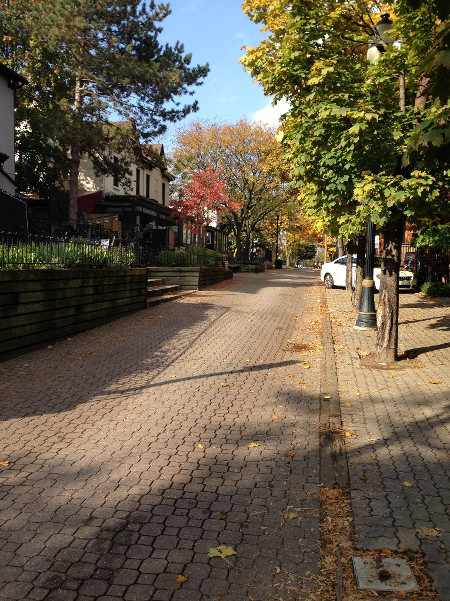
{"x":128,"y":524}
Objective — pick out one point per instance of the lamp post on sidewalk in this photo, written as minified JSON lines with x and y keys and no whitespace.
{"x":367,"y":317}
{"x":278,"y":232}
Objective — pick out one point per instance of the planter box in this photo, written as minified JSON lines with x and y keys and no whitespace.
{"x":190,"y":278}
{"x":38,"y":306}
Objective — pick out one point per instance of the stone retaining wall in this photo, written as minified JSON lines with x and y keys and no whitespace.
{"x":190,"y":278}
{"x":38,"y":306}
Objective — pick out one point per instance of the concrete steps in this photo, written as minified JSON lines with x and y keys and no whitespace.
{"x":158,"y":292}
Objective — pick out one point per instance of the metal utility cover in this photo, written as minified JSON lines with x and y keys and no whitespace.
{"x":400,"y":576}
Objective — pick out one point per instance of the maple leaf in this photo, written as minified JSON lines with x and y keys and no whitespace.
{"x":221,"y":551}
{"x":181,"y":579}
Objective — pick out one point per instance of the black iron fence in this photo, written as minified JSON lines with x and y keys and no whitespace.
{"x":36,"y":252}
{"x":50,"y":252}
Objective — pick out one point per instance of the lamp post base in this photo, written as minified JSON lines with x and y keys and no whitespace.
{"x":367,"y":317}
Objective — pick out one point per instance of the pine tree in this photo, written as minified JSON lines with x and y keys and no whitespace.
{"x":91,"y":64}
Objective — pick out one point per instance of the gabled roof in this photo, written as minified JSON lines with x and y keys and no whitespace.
{"x":15,"y":80}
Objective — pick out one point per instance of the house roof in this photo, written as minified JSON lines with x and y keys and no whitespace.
{"x":14,"y":79}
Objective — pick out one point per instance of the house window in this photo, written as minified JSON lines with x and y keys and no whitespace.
{"x":164,"y":193}
{"x":147,"y":185}
{"x":138,"y":182}
{"x":115,"y":173}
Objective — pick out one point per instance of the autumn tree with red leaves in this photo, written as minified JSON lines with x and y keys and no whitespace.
{"x":204,"y":199}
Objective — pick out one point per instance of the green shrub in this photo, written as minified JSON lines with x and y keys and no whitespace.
{"x":67,"y":255}
{"x":176,"y":258}
{"x":436,"y":289}
{"x":188,"y":257}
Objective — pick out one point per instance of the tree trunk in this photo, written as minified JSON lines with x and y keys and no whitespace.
{"x":238,"y":243}
{"x":75,"y":162}
{"x":247,"y":249}
{"x":387,"y":314}
{"x":360,"y":259}
{"x":339,"y":248}
{"x":73,"y":184}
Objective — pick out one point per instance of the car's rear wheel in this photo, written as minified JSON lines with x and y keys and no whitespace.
{"x":328,"y":280}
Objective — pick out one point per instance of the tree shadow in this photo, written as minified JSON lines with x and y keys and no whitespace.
{"x":78,"y":368}
{"x":128,"y":523}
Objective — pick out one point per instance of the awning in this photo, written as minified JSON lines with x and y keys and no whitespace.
{"x":88,"y":202}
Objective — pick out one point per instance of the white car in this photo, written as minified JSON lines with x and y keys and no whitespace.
{"x":333,"y":274}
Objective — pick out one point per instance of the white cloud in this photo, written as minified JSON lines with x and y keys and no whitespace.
{"x":271,"y":114}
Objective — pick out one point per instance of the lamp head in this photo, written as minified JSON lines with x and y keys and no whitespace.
{"x":382,"y":29}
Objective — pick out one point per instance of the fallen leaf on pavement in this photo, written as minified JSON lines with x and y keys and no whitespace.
{"x":201,"y":446}
{"x":181,"y":579}
{"x":435,"y":381}
{"x":223,"y":384}
{"x":428,"y":532}
{"x":5,"y":463}
{"x":221,"y":551}
{"x":407,"y":484}
{"x":253,"y":444}
{"x":289,"y":454}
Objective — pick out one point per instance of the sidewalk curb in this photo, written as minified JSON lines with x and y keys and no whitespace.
{"x":333,"y":456}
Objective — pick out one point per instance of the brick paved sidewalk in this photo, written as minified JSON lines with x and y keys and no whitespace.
{"x":136,"y":447}
{"x":398,"y":451}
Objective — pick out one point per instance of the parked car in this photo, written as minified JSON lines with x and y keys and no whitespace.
{"x":333,"y":274}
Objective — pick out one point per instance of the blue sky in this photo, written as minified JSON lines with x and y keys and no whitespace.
{"x":214,"y":31}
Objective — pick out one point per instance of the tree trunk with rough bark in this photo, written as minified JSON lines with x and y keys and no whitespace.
{"x":339,"y":248}
{"x":387,"y":314}
{"x":75,"y":157}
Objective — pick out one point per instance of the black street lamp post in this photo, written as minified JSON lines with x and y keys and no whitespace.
{"x":367,"y":318}
{"x":278,"y":262}
{"x":278,"y":231}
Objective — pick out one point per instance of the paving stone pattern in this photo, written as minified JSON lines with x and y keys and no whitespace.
{"x":108,"y":493}
{"x":398,"y":451}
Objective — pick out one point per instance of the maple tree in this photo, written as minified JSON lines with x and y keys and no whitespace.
{"x":252,"y":163}
{"x":345,"y":135}
{"x":203,"y":199}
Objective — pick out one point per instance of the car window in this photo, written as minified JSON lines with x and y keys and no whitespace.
{"x":341,"y":261}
